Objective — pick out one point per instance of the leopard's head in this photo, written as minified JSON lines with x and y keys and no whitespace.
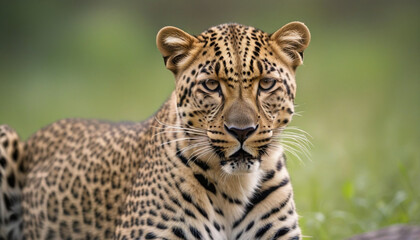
{"x":235,"y":89}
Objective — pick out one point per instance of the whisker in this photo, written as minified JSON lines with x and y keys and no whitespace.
{"x":304,"y":142}
{"x":300,"y":147}
{"x":191,"y":128}
{"x":299,"y":114}
{"x":182,"y":151}
{"x":181,"y":139}
{"x":165,"y":130}
{"x":293,"y":128}
{"x":290,"y":150}
{"x":293,"y":140}
{"x":298,"y":138}
{"x":181,"y":128}
{"x":201,"y":152}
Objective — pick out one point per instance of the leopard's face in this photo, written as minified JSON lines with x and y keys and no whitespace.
{"x":235,"y":88}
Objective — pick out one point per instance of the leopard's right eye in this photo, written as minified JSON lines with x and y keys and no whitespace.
{"x":211,"y":85}
{"x":267,"y":83}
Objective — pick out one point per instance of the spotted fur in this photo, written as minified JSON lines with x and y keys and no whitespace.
{"x":207,"y":166}
{"x":11,"y":182}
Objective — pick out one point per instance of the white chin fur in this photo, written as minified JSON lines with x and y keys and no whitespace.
{"x":241,"y":167}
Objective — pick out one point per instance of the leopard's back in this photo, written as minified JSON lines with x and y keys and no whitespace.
{"x":78,"y":172}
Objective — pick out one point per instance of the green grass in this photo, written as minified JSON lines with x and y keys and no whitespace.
{"x":358,"y":94}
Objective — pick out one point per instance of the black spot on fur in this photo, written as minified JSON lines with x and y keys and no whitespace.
{"x":260,"y":67}
{"x":269,"y":175}
{"x":195,"y":232}
{"x":3,"y":162}
{"x":250,"y":225}
{"x":205,"y":183}
{"x":15,"y":154}
{"x":161,"y":226}
{"x":217,"y":68}
{"x":11,"y":180}
{"x":5,"y":144}
{"x":281,"y":232}
{"x":201,"y":164}
{"x":150,"y":235}
{"x":7,"y":202}
{"x":263,"y":230}
{"x":178,"y":232}
{"x":181,"y":157}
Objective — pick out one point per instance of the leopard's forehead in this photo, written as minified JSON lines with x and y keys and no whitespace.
{"x":235,"y":34}
{"x":236,"y":52}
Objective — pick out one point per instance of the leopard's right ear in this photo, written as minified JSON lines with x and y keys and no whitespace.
{"x":177,"y":47}
{"x":291,"y":40}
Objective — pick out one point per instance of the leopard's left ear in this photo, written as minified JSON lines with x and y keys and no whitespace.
{"x":176,"y":46}
{"x":291,"y":40}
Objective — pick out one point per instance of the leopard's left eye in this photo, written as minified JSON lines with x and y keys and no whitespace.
{"x":267,"y":83}
{"x":211,"y":85}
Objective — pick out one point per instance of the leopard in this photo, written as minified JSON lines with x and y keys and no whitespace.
{"x":207,"y":165}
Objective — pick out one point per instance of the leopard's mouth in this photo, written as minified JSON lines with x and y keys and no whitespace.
{"x":240,"y":162}
{"x":240,"y":155}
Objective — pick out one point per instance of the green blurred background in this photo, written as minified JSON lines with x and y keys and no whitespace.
{"x":358,"y":91}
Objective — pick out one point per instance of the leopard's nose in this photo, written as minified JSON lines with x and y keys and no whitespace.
{"x":241,"y":134}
